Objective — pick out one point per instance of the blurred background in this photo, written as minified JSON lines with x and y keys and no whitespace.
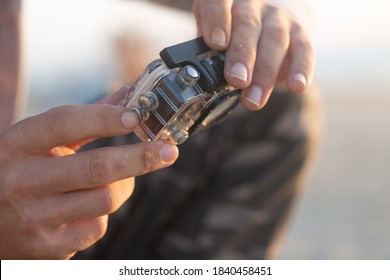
{"x":77,"y":51}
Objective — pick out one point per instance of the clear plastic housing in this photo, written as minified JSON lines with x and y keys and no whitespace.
{"x":181,"y":102}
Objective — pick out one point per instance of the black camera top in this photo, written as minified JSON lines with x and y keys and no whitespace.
{"x":196,"y":53}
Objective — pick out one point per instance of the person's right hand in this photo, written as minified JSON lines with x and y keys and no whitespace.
{"x":55,"y":202}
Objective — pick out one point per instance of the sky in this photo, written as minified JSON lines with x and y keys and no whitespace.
{"x":352,"y":39}
{"x":357,"y":23}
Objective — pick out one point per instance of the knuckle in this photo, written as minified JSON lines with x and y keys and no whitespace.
{"x":100,"y":228}
{"x":98,"y":170}
{"x":146,"y":161}
{"x":85,"y":241}
{"x":108,"y":202}
{"x":96,"y":230}
{"x":277,"y":27}
{"x":15,"y":136}
{"x":51,"y":246}
{"x":277,"y":13}
{"x":17,"y":199}
{"x":31,"y":216}
{"x":14,"y":191}
{"x":299,"y":40}
{"x":42,"y":242}
{"x":278,"y":33}
{"x":244,"y":15}
{"x":20,"y":194}
{"x":29,"y":222}
{"x":34,"y":222}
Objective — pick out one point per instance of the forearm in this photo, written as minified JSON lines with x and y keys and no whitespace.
{"x":9,"y":59}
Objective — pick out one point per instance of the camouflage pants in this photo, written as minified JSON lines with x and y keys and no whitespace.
{"x":229,"y":194}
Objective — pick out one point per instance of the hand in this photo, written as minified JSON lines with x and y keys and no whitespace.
{"x":264,"y":46}
{"x":55,"y":202}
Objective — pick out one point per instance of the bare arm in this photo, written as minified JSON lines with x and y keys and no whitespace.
{"x":9,"y":59}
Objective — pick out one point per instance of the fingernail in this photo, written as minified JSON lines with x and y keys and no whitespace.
{"x":129,"y":120}
{"x":254,"y":95}
{"x":299,"y":77}
{"x":218,"y":37}
{"x":239,"y":71}
{"x":168,"y":152}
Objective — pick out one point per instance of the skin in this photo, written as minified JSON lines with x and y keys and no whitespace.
{"x":55,"y":202}
{"x":9,"y":57}
{"x":264,"y":46}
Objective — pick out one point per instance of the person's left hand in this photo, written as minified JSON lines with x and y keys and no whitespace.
{"x":263,"y":44}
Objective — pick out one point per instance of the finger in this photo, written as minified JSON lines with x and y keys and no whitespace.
{"x":88,"y":204}
{"x":214,"y":21}
{"x":112,"y":99}
{"x":80,"y":235}
{"x":301,"y":69}
{"x":68,"y":124}
{"x":99,"y":167}
{"x":196,"y":12}
{"x":241,"y":54}
{"x":272,"y":49}
{"x":115,"y":97}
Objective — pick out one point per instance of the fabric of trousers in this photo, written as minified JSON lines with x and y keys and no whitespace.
{"x":229,"y":194}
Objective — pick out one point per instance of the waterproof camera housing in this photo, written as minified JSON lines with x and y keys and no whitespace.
{"x":181,"y":93}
